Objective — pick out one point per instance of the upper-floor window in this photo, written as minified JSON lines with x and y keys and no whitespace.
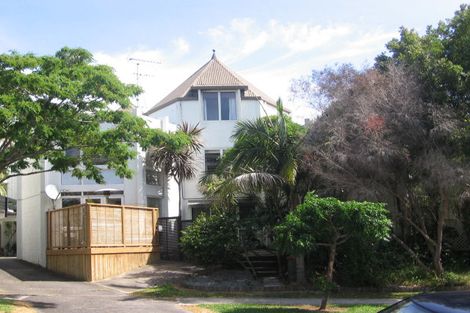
{"x":211,"y":159}
{"x":219,"y":106}
{"x":109,"y":175}
{"x":152,"y":177}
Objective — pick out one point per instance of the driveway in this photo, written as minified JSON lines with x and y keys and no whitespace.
{"x":48,"y":292}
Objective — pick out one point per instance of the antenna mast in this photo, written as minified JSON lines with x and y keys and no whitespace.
{"x":138,"y":62}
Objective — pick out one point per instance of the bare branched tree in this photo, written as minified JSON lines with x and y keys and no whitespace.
{"x":378,"y":140}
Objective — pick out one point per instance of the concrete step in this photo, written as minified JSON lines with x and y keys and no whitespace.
{"x":272,"y":283}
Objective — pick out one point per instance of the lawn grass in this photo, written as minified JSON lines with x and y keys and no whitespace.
{"x":13,"y":306}
{"x":6,"y":306}
{"x":414,"y":277}
{"x":171,"y":292}
{"x":260,"y":308}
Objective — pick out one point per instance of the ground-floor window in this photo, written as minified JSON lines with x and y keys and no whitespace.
{"x":70,"y":201}
{"x":154,"y":202}
{"x":105,"y":197}
{"x":199,"y":209}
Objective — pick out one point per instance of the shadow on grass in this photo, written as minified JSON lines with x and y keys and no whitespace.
{"x":247,"y":308}
{"x":256,"y":308}
{"x":11,"y":305}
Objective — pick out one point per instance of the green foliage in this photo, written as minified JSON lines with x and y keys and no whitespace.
{"x":49,"y":104}
{"x":211,"y":239}
{"x":317,"y":220}
{"x":440,"y":58}
{"x":6,"y":305}
{"x":176,"y":157}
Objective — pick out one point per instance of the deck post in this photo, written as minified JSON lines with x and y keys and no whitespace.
{"x":123,"y":226}
{"x":68,"y":228}
{"x":88,"y":224}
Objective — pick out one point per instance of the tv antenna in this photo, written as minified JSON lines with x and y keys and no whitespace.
{"x":52,"y":193}
{"x":138,"y":62}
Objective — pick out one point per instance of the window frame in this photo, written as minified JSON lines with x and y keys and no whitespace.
{"x":221,"y":153}
{"x":219,"y":105}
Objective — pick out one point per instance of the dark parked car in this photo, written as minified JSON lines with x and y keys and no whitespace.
{"x":437,"y":302}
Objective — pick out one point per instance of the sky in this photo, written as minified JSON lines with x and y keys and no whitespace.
{"x":268,"y":42}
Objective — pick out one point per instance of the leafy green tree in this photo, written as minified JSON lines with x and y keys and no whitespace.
{"x":49,"y":104}
{"x":440,"y":58}
{"x":329,"y":223}
{"x":175,"y":159}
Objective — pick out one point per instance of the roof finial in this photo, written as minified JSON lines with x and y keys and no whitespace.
{"x":213,"y":54}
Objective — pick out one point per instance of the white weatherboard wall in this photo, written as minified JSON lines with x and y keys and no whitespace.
{"x":216,"y":135}
{"x":31,"y":218}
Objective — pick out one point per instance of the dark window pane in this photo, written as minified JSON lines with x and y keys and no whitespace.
{"x":70,"y":201}
{"x":154,"y":202}
{"x":152,"y":177}
{"x":211,"y":106}
{"x":72,"y":152}
{"x":198,"y":210}
{"x":96,"y":200}
{"x":211,"y":160}
{"x":228,"y":107}
{"x":116,"y":201}
{"x":100,"y":160}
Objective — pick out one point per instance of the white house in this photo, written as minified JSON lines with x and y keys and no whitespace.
{"x":215,"y":98}
{"x":146,"y":188}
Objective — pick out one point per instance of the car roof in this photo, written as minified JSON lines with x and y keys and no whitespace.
{"x":445,"y":302}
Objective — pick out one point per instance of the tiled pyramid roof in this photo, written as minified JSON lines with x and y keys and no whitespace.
{"x":212,"y":75}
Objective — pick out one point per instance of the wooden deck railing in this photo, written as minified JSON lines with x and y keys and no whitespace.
{"x":101,"y":225}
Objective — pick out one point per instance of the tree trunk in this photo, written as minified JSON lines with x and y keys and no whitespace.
{"x":329,"y":273}
{"x":412,"y":254}
{"x":299,"y":260}
{"x":180,"y":200}
{"x":442,"y":215}
{"x":300,"y":269}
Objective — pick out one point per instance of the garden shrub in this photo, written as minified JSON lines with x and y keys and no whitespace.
{"x":212,"y":239}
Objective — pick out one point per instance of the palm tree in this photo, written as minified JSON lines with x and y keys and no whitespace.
{"x":3,"y":186}
{"x":264,"y":158}
{"x":177,"y":161}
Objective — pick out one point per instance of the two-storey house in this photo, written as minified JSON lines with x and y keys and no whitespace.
{"x":215,"y":98}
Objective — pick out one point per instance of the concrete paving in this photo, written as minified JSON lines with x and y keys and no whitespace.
{"x":48,"y":292}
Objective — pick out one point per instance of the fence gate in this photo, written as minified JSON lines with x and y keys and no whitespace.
{"x":169,"y":232}
{"x":168,"y":236}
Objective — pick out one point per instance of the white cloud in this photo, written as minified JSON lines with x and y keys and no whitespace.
{"x":181,"y":45}
{"x":283,"y":51}
{"x":301,"y":37}
{"x":243,"y":37}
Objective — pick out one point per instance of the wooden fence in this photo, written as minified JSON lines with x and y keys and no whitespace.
{"x":95,"y":241}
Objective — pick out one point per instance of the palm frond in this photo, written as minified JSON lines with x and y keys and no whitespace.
{"x":254,"y":181}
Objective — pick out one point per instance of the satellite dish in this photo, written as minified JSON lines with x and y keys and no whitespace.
{"x":52,"y":192}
